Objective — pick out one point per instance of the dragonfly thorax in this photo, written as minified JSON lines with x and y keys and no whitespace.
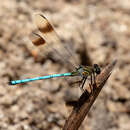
{"x":84,"y":71}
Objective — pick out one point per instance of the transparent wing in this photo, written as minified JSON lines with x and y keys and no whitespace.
{"x":52,"y":42}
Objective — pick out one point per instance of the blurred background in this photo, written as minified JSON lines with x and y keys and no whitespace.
{"x":99,"y":32}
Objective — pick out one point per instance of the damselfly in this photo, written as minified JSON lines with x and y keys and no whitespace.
{"x":49,"y":36}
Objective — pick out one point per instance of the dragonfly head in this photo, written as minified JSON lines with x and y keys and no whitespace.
{"x":97,"y":69}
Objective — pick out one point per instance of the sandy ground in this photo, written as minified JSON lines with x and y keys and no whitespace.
{"x":100,"y":29}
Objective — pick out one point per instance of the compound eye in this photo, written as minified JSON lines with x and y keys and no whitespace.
{"x":97,"y":69}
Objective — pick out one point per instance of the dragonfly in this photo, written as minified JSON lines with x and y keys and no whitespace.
{"x":49,"y":36}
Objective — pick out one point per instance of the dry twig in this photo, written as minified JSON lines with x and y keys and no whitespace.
{"x":87,"y":99}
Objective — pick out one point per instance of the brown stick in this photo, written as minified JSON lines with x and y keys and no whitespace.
{"x":87,"y":99}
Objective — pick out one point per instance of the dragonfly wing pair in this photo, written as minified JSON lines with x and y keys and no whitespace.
{"x":52,"y":43}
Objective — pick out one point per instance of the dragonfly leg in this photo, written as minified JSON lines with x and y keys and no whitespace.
{"x":81,"y":88}
{"x":94,"y":78}
{"x":83,"y":82}
{"x":91,"y":83}
{"x":91,"y":79}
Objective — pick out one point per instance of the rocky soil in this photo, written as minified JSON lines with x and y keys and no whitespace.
{"x":99,"y":32}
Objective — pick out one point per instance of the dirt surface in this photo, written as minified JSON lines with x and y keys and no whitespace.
{"x":99,"y":29}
